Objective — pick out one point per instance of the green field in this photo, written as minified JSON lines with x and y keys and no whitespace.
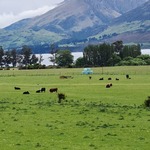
{"x":92,"y":116}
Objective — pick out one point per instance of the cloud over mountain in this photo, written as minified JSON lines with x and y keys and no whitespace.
{"x":12,"y":11}
{"x":8,"y":18}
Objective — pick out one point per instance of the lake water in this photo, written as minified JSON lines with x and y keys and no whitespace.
{"x":46,"y":57}
{"x":145,"y":51}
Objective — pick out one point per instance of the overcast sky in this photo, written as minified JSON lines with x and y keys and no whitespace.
{"x":15,"y":10}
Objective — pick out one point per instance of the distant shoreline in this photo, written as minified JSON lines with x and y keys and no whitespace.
{"x":46,"y":60}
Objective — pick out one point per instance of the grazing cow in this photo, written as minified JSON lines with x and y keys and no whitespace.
{"x":43,"y":89}
{"x":61,"y":96}
{"x":90,"y":77}
{"x":17,"y":88}
{"x":109,"y":79}
{"x":101,"y":79}
{"x":38,"y":91}
{"x":26,"y":92}
{"x":127,"y":76}
{"x":63,"y":77}
{"x":53,"y":90}
{"x":117,"y":79}
{"x":107,"y":85}
{"x":66,"y":77}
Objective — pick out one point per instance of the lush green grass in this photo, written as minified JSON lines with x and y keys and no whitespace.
{"x":91,"y":117}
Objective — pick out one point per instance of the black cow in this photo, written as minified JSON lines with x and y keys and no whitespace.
{"x":107,"y":86}
{"x":17,"y":88}
{"x":101,"y":79}
{"x":38,"y":91}
{"x":63,"y":77}
{"x":53,"y":90}
{"x":127,"y":76}
{"x":117,"y":79}
{"x":109,"y":78}
{"x":66,"y":77}
{"x":26,"y":92}
{"x":61,"y":96}
{"x":43,"y":89}
{"x":90,"y":77}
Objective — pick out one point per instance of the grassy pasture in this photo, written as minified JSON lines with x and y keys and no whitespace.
{"x":91,"y":117}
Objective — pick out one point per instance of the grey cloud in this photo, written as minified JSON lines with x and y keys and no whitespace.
{"x":15,"y":10}
{"x":17,"y":6}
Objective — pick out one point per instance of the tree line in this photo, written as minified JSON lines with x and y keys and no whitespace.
{"x":25,"y":59}
{"x":104,"y":54}
{"x":115,"y":54}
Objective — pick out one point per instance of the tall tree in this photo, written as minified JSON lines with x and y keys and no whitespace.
{"x":118,"y":47}
{"x":7,"y":58}
{"x":33,"y":59}
{"x":1,"y":56}
{"x":14,"y":57}
{"x":79,"y":62}
{"x":64,"y":58}
{"x":131,"y":50}
{"x":26,"y":52}
{"x":88,"y":54}
{"x":53,"y":52}
{"x":97,"y":55}
{"x":40,"y":59}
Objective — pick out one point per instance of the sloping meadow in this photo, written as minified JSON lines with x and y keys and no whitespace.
{"x":90,"y":117}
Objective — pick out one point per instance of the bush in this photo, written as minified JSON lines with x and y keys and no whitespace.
{"x":129,"y":61}
{"x":33,"y":66}
{"x":147,"y":102}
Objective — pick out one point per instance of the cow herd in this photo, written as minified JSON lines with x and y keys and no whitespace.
{"x":60,"y":96}
{"x":117,"y":79}
{"x":108,"y":85}
{"x":51,"y":90}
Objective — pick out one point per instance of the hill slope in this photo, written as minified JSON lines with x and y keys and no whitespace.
{"x":133,"y":26}
{"x":72,"y":20}
{"x":76,"y":15}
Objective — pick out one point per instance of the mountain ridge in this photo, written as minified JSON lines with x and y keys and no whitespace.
{"x":99,"y":12}
{"x":71,"y":21}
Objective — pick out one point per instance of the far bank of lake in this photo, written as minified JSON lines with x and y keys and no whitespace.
{"x":46,"y":57}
